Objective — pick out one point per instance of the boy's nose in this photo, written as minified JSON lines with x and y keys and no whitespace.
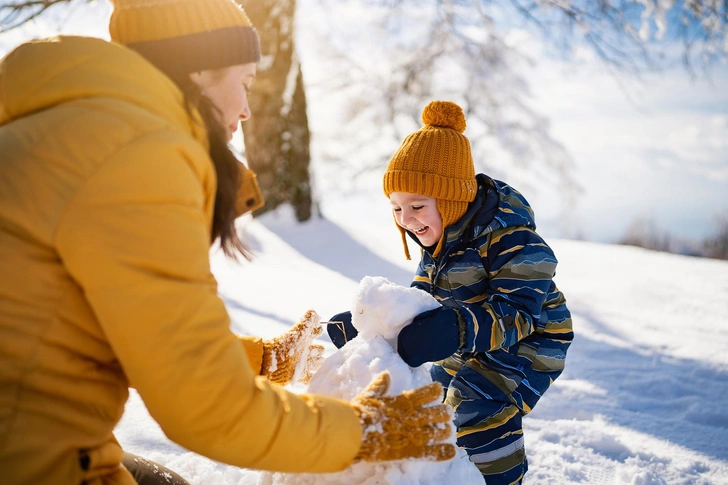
{"x":407,"y":217}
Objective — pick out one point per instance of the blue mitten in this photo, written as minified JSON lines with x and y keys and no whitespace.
{"x":433,"y":335}
{"x":342,"y":332}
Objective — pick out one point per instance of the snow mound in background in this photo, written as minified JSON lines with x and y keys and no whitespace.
{"x":380,"y":310}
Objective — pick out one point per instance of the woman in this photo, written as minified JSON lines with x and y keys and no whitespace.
{"x":116,"y":179}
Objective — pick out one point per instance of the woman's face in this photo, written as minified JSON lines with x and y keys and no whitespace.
{"x":228,"y":89}
{"x":419,"y":215}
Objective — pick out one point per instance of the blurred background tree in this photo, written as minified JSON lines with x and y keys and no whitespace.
{"x":277,"y":136}
{"x":716,"y":246}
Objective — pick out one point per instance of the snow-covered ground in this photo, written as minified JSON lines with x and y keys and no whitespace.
{"x":642,"y":400}
{"x":642,"y":397}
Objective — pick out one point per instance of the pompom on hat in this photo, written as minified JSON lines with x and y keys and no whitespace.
{"x":184,"y":36}
{"x":435,"y":161}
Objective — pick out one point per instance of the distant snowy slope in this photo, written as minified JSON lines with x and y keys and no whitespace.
{"x":642,"y":400}
{"x":670,"y":304}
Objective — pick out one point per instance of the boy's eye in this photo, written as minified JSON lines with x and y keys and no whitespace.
{"x":396,"y":209}
{"x":417,"y":207}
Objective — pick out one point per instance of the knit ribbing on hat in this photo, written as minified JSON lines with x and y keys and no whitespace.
{"x":430,"y":185}
{"x":202,"y":51}
{"x":186,"y":35}
{"x":135,"y":21}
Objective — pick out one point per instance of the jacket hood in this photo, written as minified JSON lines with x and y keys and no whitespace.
{"x":41,"y":74}
{"x":497,"y":205}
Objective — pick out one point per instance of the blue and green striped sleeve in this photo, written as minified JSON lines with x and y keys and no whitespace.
{"x":521,"y":269}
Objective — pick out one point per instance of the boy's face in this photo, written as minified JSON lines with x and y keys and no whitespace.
{"x":419,"y":215}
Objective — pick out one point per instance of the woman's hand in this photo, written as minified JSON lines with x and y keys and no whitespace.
{"x":293,"y":355}
{"x":414,"y":424}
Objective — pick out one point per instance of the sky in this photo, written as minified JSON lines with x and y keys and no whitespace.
{"x":653,"y":149}
{"x":641,"y":401}
{"x":657,"y":149}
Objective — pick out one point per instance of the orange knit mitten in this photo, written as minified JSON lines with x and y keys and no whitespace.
{"x":293,"y":356}
{"x":413,"y":424}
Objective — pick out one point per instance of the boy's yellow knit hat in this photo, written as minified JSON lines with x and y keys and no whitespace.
{"x":435,"y":161}
{"x":184,"y":36}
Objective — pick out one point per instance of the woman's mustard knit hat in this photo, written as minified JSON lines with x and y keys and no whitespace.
{"x":184,"y":36}
{"x":435,"y":161}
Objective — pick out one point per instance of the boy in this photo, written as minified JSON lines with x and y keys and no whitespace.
{"x":501,"y":336}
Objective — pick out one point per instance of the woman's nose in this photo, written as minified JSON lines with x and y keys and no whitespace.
{"x":245,"y":114}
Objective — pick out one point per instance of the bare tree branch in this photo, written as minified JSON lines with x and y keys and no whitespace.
{"x":16,"y":13}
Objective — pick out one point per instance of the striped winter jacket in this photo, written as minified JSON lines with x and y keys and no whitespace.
{"x":497,"y":271}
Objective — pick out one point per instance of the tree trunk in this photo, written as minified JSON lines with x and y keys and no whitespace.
{"x":277,"y":135}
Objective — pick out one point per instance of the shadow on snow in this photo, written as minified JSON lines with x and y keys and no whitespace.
{"x":327,"y":244}
{"x":678,"y":400}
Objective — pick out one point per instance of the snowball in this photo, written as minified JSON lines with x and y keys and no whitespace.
{"x":384,"y":308}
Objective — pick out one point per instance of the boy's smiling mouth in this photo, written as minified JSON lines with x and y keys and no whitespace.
{"x":421,"y":230}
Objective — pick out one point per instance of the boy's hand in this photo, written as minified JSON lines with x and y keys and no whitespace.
{"x":293,"y":354}
{"x":433,"y":335}
{"x":340,"y":329}
{"x":414,"y":424}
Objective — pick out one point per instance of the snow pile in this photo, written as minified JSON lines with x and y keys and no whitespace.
{"x":381,"y":309}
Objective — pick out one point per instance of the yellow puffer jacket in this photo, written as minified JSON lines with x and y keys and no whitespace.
{"x":106,"y":202}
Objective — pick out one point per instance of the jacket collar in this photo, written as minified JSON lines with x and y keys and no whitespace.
{"x":45,"y":73}
{"x":496,"y":205}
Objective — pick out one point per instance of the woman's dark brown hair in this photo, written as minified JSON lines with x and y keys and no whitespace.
{"x":227,"y":167}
